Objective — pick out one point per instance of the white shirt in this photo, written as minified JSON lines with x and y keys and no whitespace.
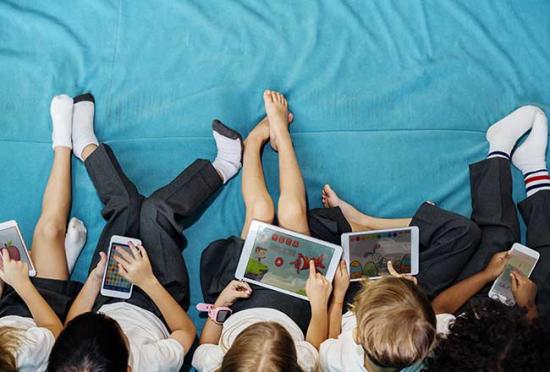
{"x":151,"y":349}
{"x":36,"y":343}
{"x":344,"y":355}
{"x":209,"y":357}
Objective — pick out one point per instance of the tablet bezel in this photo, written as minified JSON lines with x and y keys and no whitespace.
{"x":13,"y":224}
{"x":249,"y":244}
{"x":415,"y":248}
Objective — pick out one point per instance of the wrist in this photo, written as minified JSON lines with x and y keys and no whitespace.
{"x":148,"y":284}
{"x":320,"y":308}
{"x":338,"y":299}
{"x":23,"y":286}
{"x":222,"y":303}
{"x":488,"y":276}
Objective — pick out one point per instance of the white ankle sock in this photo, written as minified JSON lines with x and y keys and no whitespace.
{"x":83,"y":123}
{"x":74,"y":241}
{"x":61,"y":111}
{"x":230,"y":150}
{"x":531,"y":155}
{"x":504,"y":134}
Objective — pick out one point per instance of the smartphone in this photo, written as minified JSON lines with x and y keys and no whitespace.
{"x":522,"y":259}
{"x":12,"y":241}
{"x":113,"y":284}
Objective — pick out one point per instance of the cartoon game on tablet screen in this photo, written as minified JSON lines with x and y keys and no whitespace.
{"x":369,"y":254}
{"x":9,"y":240}
{"x":283,"y":261}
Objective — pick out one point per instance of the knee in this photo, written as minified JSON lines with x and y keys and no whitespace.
{"x":150,"y":208}
{"x":51,"y":230}
{"x":261,"y":210}
{"x":294,"y":211}
{"x":470,"y":233}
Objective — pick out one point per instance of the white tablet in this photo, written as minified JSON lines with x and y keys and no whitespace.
{"x":367,"y":253}
{"x":12,"y":240}
{"x":278,"y":259}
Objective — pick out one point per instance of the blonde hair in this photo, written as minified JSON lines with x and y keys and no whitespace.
{"x":396,"y":324}
{"x":264,"y":346}
{"x":9,"y":342}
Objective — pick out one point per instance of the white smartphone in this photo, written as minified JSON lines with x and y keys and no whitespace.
{"x":278,"y":259}
{"x":367,"y":253}
{"x":113,"y":284}
{"x":12,"y":240}
{"x":522,"y":259}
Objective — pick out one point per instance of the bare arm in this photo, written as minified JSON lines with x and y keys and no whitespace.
{"x":212,"y":331}
{"x":16,"y":274}
{"x":136,"y":267}
{"x":452,"y":299}
{"x":85,"y":300}
{"x":318,"y":290}
{"x":341,"y":285}
{"x":181,"y":326}
{"x":335,"y":318}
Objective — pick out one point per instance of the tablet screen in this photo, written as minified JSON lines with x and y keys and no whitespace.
{"x":369,"y":253}
{"x":10,"y":240}
{"x":282,"y":260}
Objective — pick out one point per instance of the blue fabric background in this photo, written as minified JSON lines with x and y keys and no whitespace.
{"x":392,"y":98}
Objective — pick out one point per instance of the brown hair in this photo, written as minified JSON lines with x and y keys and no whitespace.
{"x":396,"y":324}
{"x":264,"y":346}
{"x":9,"y":342}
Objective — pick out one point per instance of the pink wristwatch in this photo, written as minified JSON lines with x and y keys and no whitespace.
{"x":217,"y":314}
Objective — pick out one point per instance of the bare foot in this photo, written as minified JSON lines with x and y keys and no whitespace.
{"x":352,"y":215}
{"x":276,"y":108}
{"x":261,"y":130}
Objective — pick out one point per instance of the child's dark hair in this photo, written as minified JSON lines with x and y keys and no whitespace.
{"x":490,"y":336}
{"x":90,"y":342}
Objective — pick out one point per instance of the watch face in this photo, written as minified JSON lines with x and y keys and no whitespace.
{"x":222,"y":315}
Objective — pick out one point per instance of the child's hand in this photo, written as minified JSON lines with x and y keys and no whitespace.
{"x":394,"y":273}
{"x":341,"y":282}
{"x":232,"y":292}
{"x":14,"y":273}
{"x":496,"y":265}
{"x":524,"y":290}
{"x":97,"y":273}
{"x":134,"y":266}
{"x":318,"y":288}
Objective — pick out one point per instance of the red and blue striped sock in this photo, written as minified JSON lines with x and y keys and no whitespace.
{"x":536,"y":181}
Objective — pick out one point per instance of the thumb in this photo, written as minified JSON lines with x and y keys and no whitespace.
{"x":391,"y":269}
{"x":514,"y":281}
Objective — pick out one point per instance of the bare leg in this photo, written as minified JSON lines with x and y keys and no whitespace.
{"x":48,"y":245}
{"x":258,"y":202}
{"x":357,"y":220}
{"x":88,"y":150}
{"x":292,"y":206}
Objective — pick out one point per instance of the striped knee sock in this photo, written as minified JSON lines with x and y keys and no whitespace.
{"x":536,"y":181}
{"x":498,"y":154}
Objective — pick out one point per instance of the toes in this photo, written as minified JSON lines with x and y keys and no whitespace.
{"x":268,"y":96}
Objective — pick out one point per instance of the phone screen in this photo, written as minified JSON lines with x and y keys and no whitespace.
{"x":519,"y":261}
{"x":11,"y":241}
{"x":113,"y":280}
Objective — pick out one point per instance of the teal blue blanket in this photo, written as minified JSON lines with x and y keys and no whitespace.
{"x":391,"y":98}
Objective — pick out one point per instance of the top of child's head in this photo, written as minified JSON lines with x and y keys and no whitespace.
{"x":9,"y":341}
{"x":263,"y":346}
{"x":90,"y":342}
{"x":396,"y":324}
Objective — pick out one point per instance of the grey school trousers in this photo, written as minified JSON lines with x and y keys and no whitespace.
{"x":157,"y":220}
